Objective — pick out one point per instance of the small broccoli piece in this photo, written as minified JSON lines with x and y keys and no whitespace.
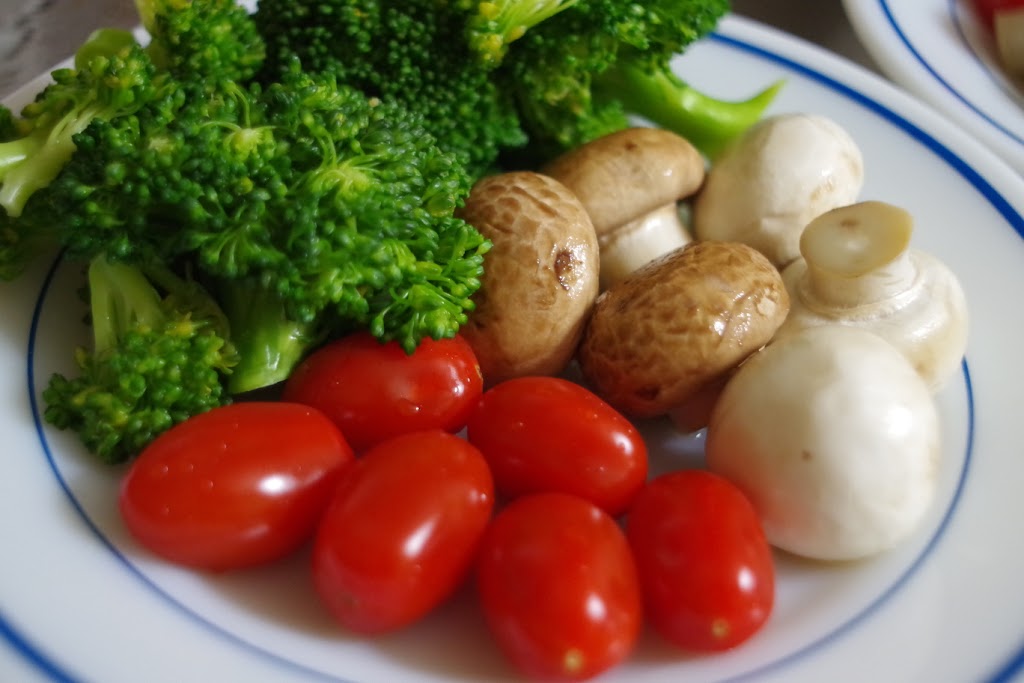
{"x":587,"y":70}
{"x":108,"y":85}
{"x":493,"y":24}
{"x":413,"y":52}
{"x":160,"y":352}
{"x":202,"y":38}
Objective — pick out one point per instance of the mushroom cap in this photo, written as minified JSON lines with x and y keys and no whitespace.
{"x":540,"y":277}
{"x":834,"y":437}
{"x":679,"y":323}
{"x":783,"y":172}
{"x":624,"y":175}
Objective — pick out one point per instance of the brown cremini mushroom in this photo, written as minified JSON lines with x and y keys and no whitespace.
{"x":672,"y":330}
{"x":540,"y":278}
{"x":631,"y":183}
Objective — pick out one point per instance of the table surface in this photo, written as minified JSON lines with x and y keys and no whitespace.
{"x":37,"y":34}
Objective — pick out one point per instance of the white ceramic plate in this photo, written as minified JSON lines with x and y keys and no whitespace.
{"x":79,"y":601}
{"x":938,"y":50}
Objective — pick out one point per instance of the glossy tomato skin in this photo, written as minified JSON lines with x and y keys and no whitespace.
{"x":238,"y":486}
{"x":550,"y":434}
{"x":558,"y":587}
{"x":374,"y":391}
{"x":705,"y":567}
{"x":401,"y":532}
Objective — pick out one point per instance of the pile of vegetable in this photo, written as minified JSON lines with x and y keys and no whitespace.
{"x":245,"y":186}
{"x":340,"y":259}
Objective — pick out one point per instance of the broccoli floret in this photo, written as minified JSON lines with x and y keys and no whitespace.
{"x":160,"y":352}
{"x":137,"y":185}
{"x":493,"y":24}
{"x":116,"y":79}
{"x":202,"y":38}
{"x":587,"y":70}
{"x":360,"y":220}
{"x":413,"y":52}
{"x":340,"y":206}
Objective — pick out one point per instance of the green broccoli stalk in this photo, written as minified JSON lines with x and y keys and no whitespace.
{"x":160,"y":352}
{"x":591,"y":69}
{"x":116,"y":79}
{"x":270,"y":342}
{"x":493,"y":24}
{"x":663,"y":98}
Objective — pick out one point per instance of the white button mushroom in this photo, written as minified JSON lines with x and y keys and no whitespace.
{"x":857,"y":269}
{"x":631,"y":183}
{"x":834,"y":437}
{"x":774,"y":179}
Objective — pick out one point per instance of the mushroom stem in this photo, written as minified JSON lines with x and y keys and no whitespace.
{"x":858,"y":255}
{"x":857,"y":268}
{"x":641,"y":241}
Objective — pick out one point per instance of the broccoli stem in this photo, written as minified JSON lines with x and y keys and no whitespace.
{"x":269,"y":342}
{"x":30,"y":163}
{"x":120,"y":298}
{"x":665,"y":99}
{"x":14,"y":152}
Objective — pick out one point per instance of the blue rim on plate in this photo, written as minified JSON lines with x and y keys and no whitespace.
{"x":48,"y":666}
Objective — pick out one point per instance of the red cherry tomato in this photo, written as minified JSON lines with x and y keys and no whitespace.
{"x":558,"y":587}
{"x":988,"y":9}
{"x":234,"y":487}
{"x":400,"y":535}
{"x":374,"y":391}
{"x":550,"y":434}
{"x":704,"y":564}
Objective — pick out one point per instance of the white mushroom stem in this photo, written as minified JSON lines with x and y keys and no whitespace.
{"x":857,"y":268}
{"x":641,"y":241}
{"x":631,"y":183}
{"x":857,"y":258}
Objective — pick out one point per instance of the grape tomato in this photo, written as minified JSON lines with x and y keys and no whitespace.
{"x":402,"y":529}
{"x":558,"y":587}
{"x":374,"y":391}
{"x":234,"y":487}
{"x":550,"y":434}
{"x":705,"y":567}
